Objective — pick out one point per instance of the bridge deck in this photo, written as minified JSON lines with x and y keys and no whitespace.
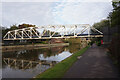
{"x":66,"y":36}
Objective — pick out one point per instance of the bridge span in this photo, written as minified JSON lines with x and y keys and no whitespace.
{"x":53,"y":31}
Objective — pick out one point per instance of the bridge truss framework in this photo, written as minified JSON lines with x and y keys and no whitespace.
{"x":52,"y":31}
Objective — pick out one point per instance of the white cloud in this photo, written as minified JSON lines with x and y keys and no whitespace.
{"x":81,"y":13}
{"x":34,"y":13}
{"x":57,"y":0}
{"x":45,"y":13}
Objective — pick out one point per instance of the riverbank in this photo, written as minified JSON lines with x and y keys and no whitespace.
{"x":32,"y":46}
{"x":59,"y":69}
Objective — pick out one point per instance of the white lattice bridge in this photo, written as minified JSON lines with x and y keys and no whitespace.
{"x":53,"y":31}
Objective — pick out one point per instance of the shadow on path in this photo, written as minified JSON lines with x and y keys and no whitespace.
{"x":94,"y":63}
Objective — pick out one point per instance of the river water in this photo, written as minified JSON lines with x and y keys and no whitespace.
{"x":29,"y":63}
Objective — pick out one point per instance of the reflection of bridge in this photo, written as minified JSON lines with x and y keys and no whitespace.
{"x":26,"y":64}
{"x":52,"y":31}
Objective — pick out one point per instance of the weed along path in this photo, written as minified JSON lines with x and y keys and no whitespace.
{"x":94,"y":63}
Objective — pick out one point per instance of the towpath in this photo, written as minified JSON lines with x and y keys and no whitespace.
{"x":94,"y":63}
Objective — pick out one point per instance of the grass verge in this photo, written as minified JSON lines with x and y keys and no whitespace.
{"x":59,"y":69}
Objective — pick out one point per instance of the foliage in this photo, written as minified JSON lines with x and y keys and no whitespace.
{"x":101,"y":24}
{"x":44,"y":42}
{"x":114,"y":48}
{"x":48,"y":32}
{"x":13,"y":27}
{"x":115,"y":15}
{"x":4,"y":30}
{"x":115,"y":4}
{"x":98,"y":43}
{"x":59,"y":69}
{"x":115,"y":43}
{"x":90,"y":43}
{"x":25,"y":25}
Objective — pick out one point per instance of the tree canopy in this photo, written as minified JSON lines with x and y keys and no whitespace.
{"x":101,"y":24}
{"x":115,"y":15}
{"x":25,"y":25}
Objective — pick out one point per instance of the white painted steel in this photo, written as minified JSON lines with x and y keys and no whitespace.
{"x":61,"y":31}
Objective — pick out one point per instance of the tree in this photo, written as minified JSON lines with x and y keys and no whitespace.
{"x":25,"y":25}
{"x":115,"y":15}
{"x":13,"y":27}
{"x":114,"y":48}
{"x":101,"y":24}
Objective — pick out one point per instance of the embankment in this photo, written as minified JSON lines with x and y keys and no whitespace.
{"x":32,"y":46}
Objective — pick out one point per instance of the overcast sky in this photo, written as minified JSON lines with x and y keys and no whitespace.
{"x":48,"y":13}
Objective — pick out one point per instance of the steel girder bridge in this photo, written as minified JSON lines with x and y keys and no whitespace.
{"x":53,"y":31}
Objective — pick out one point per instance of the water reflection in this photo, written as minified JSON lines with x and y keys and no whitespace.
{"x":58,"y":57}
{"x":33,"y":54}
{"x":29,"y":63}
{"x":26,"y":64}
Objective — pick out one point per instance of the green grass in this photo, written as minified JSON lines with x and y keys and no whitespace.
{"x":59,"y":69}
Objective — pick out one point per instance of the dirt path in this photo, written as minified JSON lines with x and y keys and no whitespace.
{"x":94,"y":63}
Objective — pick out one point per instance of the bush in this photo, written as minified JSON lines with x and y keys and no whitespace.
{"x":98,"y":43}
{"x":114,"y":49}
{"x":90,"y":43}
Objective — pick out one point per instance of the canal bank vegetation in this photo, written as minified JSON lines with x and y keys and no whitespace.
{"x":97,"y":41}
{"x":111,"y":31}
{"x":59,"y":69}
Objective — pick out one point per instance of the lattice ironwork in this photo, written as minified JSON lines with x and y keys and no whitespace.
{"x":52,"y":31}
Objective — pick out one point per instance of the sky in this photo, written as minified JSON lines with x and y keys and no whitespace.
{"x":52,"y":13}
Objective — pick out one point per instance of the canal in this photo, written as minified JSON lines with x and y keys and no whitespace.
{"x":29,"y":63}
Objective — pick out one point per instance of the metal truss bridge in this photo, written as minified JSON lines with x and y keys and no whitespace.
{"x":53,"y":31}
